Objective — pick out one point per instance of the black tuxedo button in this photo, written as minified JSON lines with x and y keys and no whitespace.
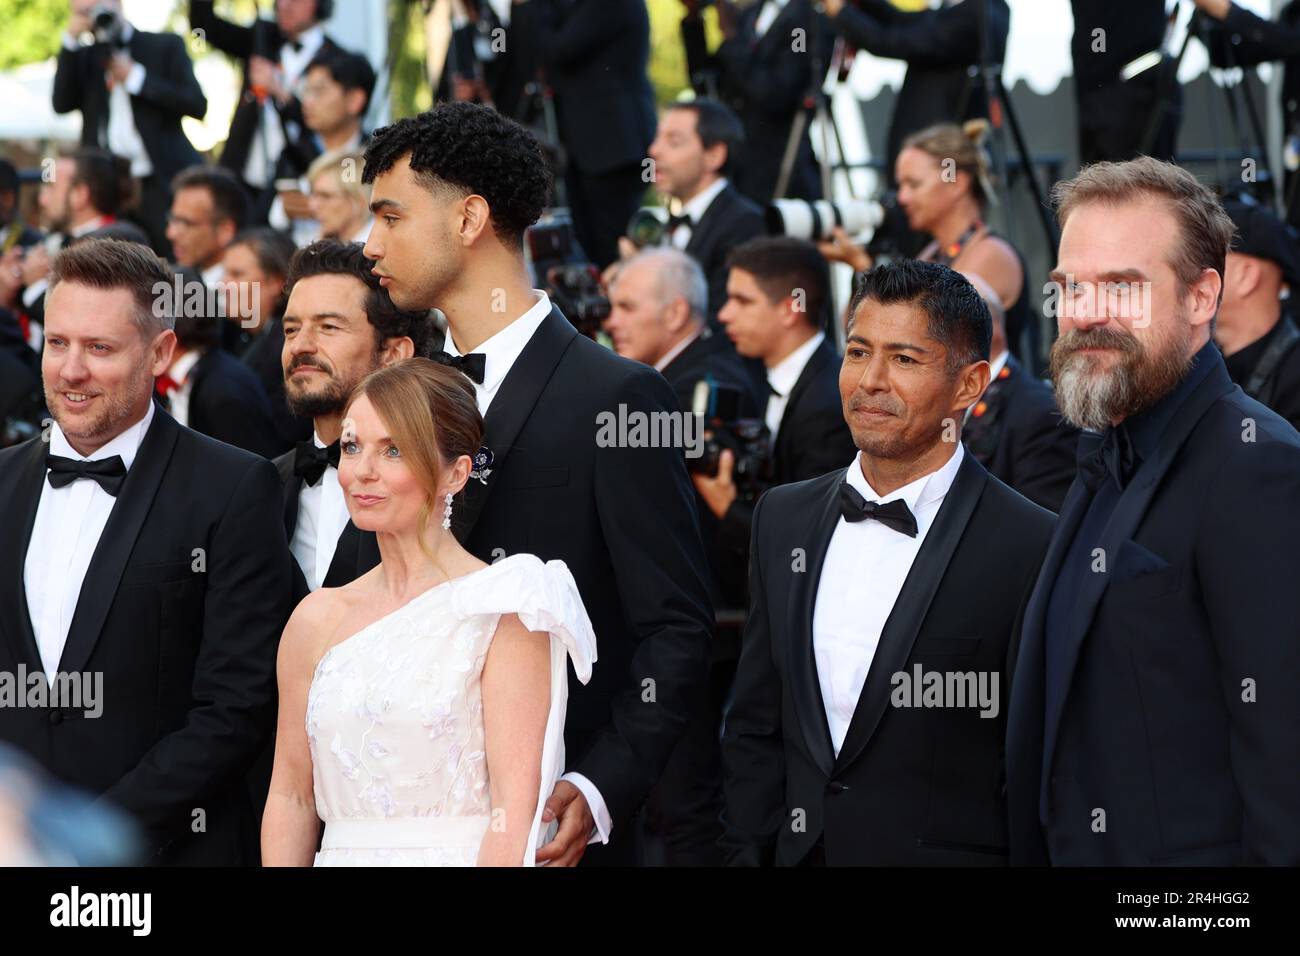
{"x":836,"y":787}
{"x":56,"y":717}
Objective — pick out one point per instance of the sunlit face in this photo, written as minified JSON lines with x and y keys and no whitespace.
{"x":198,"y":239}
{"x":98,"y":370}
{"x":637,"y":321}
{"x":329,"y":343}
{"x":895,"y":387}
{"x":55,"y":197}
{"x":327,"y":106}
{"x":414,"y":242}
{"x":681,"y":161}
{"x":751,"y":320}
{"x":923,"y":192}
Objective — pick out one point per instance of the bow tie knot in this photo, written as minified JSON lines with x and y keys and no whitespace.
{"x":893,"y":514}
{"x":1111,"y":452}
{"x":310,"y":460}
{"x":107,"y":472}
{"x":473,"y":365}
{"x":675,"y":221}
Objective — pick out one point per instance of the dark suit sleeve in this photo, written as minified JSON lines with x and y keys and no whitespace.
{"x":1044,"y":457}
{"x":591,"y":25}
{"x":229,"y":38}
{"x":71,"y":79}
{"x":753,"y":756}
{"x":238,"y":413}
{"x":1244,"y":39}
{"x":1246,"y":566}
{"x":246,"y":605}
{"x":175,"y":87}
{"x":658,"y":561}
{"x":698,"y":61}
{"x":945,"y":37}
{"x":779,"y":86}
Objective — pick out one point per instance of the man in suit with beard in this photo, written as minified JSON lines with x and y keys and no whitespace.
{"x":869,"y":712}
{"x":552,"y":480}
{"x":1156,"y":700}
{"x":145,"y":567}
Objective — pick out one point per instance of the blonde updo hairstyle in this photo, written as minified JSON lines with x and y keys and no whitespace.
{"x":964,"y":145}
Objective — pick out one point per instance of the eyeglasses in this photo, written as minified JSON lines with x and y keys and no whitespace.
{"x":187,"y":223}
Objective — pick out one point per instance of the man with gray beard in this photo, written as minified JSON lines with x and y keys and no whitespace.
{"x":1155,"y":705}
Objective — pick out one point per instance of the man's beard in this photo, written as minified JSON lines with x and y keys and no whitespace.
{"x":328,"y":399}
{"x":1142,"y":374}
{"x":107,"y":425}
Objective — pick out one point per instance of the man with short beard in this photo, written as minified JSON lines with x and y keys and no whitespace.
{"x":339,"y":326}
{"x":1156,"y":699}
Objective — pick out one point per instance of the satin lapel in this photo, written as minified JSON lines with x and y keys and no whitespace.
{"x":27,"y":479}
{"x":914,"y":600}
{"x":710,"y":223}
{"x":510,"y":408}
{"x":136,"y":497}
{"x":1129,"y":510}
{"x":804,"y":686}
{"x":814,"y":367}
{"x":291,"y":485}
{"x":343,"y":565}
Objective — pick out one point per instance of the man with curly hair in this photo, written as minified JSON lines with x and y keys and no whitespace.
{"x":453,"y":191}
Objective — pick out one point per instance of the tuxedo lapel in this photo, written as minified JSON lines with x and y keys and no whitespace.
{"x":804,"y":686}
{"x":510,"y":409}
{"x":703,"y":232}
{"x":913,"y":603}
{"x":812,"y":368}
{"x":354,"y":555}
{"x":134,"y":500}
{"x":24,"y":495}
{"x":292,"y":486}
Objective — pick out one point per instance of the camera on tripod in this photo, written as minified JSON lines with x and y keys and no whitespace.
{"x":747,"y":438}
{"x":571,"y":281}
{"x":107,"y":25}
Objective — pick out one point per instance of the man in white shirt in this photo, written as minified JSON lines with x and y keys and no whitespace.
{"x":868,"y":715}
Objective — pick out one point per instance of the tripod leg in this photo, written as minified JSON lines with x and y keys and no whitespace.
{"x":792,"y":144}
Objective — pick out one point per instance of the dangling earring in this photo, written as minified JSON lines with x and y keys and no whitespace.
{"x":446,"y":514}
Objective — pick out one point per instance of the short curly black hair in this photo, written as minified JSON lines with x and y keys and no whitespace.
{"x":472,"y":148}
{"x":334,"y":257}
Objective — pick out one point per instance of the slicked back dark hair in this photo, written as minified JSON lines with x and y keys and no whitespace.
{"x":782,"y":264}
{"x":334,"y":257}
{"x":229,"y":198}
{"x":715,"y":123}
{"x":956,"y":316}
{"x":475,"y":150}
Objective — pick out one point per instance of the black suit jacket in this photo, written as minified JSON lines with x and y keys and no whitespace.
{"x":939,"y":47}
{"x":623,"y":520}
{"x":764,"y":80}
{"x":728,"y":221}
{"x":909,"y":786}
{"x":185,"y":640}
{"x":170,"y":92}
{"x":1018,"y":434}
{"x":812,"y":440}
{"x":594,"y":54}
{"x":227,"y":402}
{"x":356,"y":553}
{"x":1198,"y":597}
{"x":263,"y":356}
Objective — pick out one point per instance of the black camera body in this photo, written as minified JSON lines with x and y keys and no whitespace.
{"x":571,"y":281}
{"x":108,"y":26}
{"x":748,"y":439}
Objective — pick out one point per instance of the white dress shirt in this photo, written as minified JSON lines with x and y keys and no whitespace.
{"x":500,"y":353}
{"x":501,"y":350}
{"x":767,"y":16}
{"x":866,"y":565}
{"x":696,"y":207}
{"x":270,"y":137}
{"x":68,"y":525}
{"x":322,"y":516}
{"x":178,"y":401}
{"x":782,"y":377}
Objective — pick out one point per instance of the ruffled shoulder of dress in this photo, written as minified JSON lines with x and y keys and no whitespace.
{"x":543,"y":595}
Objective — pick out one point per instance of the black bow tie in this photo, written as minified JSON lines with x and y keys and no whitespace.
{"x":1111,"y":452}
{"x":310,"y":460}
{"x":675,"y":221}
{"x":894,"y":514}
{"x":294,"y":45}
{"x":108,"y":472}
{"x":472,"y":365}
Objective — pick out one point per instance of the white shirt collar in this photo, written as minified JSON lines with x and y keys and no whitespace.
{"x":916,"y":494}
{"x":997,"y":364}
{"x":213,"y":275}
{"x":699,"y":204}
{"x":126,"y":445}
{"x":182,"y":365}
{"x":310,"y":40}
{"x":786,"y":372}
{"x":501,"y":350}
{"x":90,"y":225}
{"x":666,"y":359}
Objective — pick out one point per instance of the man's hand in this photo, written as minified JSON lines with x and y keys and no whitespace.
{"x":567,"y":804}
{"x":719,"y":491}
{"x":263,"y":77}
{"x":79,"y":21}
{"x":119,"y":66}
{"x":832,"y":7}
{"x":36,"y":265}
{"x":296,"y":205}
{"x":842,"y":249}
{"x":1215,"y":8}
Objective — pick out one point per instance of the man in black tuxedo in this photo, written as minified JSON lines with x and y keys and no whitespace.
{"x":594,"y":55}
{"x":556,"y":473}
{"x":868,"y":720}
{"x":777,"y":295}
{"x":692,"y":152}
{"x":145,"y":566}
{"x":763,"y":70}
{"x":1255,"y":329}
{"x":132,"y":99}
{"x":1156,"y":699}
{"x":339,"y":326}
{"x":940,"y":46}
{"x":267,"y":136}
{"x":1015,"y":430}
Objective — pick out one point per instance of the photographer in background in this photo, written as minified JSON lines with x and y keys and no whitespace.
{"x":777,"y":293}
{"x":944,"y":187}
{"x":940,"y":47}
{"x":594,"y":55}
{"x":132,"y":89}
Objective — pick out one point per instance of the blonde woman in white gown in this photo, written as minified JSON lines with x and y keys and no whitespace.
{"x":421,"y":706}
